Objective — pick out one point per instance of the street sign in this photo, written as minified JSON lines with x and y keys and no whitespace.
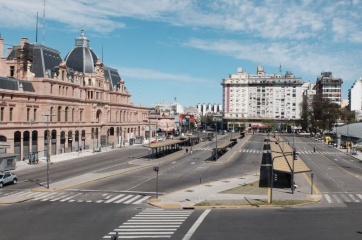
{"x":155,"y":169}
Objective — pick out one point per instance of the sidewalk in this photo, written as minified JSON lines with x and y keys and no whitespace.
{"x":23,"y":165}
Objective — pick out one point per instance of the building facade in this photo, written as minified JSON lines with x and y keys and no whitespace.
{"x":209,"y":108}
{"x":64,"y":105}
{"x":249,"y":99}
{"x":330,"y":87}
{"x":355,"y":98}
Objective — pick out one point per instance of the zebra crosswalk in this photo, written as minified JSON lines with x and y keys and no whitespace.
{"x":343,"y":197}
{"x":320,"y":152}
{"x":76,"y":196}
{"x":151,"y":223}
{"x":256,"y":151}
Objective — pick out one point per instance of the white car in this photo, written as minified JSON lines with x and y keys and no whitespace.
{"x":7,"y":177}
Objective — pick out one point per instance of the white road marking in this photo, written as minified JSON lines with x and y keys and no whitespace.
{"x":116,"y":197}
{"x":328,"y":198}
{"x":196,"y":225}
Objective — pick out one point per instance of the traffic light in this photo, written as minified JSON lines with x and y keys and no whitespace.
{"x":294,"y":155}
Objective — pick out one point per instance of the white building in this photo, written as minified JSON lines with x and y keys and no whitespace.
{"x":355,"y":98}
{"x":256,"y":97}
{"x":205,"y":109}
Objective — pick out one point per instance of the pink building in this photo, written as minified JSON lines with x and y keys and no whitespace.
{"x":79,"y":101}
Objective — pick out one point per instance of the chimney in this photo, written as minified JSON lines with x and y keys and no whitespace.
{"x":23,"y":41}
{"x":1,"y":48}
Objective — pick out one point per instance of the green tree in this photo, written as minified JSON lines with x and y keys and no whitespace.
{"x":322,"y":114}
{"x":348,"y":116}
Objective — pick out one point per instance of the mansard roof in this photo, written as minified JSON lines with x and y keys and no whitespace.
{"x":15,"y":84}
{"x":43,"y":59}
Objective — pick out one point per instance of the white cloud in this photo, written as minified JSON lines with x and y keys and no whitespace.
{"x":154,"y":75}
{"x":309,"y":59}
{"x":267,"y":19}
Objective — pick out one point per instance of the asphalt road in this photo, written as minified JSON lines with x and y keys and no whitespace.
{"x":281,"y":224}
{"x":337,"y":175}
{"x":91,"y":210}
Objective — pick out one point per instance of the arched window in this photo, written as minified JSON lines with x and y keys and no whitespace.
{"x":73,"y":115}
{"x":59,"y":113}
{"x":66,"y":114}
{"x":50,"y":115}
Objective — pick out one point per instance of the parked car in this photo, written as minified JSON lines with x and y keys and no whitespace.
{"x":169,"y":137}
{"x":7,"y":178}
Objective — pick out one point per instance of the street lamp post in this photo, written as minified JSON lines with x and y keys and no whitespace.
{"x":48,"y":149}
{"x":31,"y":142}
{"x":149,"y":139}
{"x":294,"y":155}
{"x":216,"y":142}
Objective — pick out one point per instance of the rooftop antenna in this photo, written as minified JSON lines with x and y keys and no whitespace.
{"x":44,"y":23}
{"x":36,"y":30}
{"x":280,"y":69}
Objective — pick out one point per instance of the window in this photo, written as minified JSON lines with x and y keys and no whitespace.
{"x":81,"y":116}
{"x":34,"y":114}
{"x":2,"y":114}
{"x":51,"y":115}
{"x":51,"y":89}
{"x":12,"y":71}
{"x":89,"y":82}
{"x":11,"y":114}
{"x":28,"y":114}
{"x":66,"y":114}
{"x":59,"y":112}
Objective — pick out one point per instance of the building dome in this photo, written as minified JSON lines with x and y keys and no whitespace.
{"x":81,"y":58}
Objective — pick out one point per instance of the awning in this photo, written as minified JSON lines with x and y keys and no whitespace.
{"x":283,"y":159}
{"x":4,"y":145}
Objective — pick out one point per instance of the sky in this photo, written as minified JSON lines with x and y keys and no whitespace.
{"x":167,"y":50}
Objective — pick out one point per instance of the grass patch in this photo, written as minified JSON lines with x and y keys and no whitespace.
{"x":250,"y":202}
{"x":208,"y":185}
{"x":250,"y":188}
{"x":189,"y":190}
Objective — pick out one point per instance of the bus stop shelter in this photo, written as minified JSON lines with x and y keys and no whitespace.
{"x":164,"y":147}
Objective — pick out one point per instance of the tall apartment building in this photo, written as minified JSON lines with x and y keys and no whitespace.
{"x":50,"y":105}
{"x":256,"y":97}
{"x":330,"y":87}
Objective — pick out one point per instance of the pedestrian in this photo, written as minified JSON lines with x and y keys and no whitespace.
{"x":191,"y":151}
{"x":187,"y":150}
{"x":314,"y":149}
{"x":80,"y":150}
